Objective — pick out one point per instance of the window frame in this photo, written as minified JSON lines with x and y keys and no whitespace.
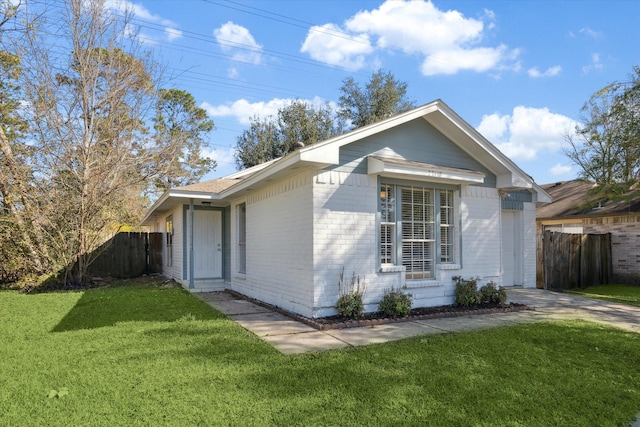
{"x":442,"y":252}
{"x":241,"y":257}
{"x":168,"y":226}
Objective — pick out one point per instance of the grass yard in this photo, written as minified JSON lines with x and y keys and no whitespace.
{"x":623,"y":294}
{"x":146,"y":355}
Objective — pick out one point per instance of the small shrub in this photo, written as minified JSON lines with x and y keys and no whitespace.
{"x":467,"y":294}
{"x":350,"y":303}
{"x":395,"y":303}
{"x":491,"y":294}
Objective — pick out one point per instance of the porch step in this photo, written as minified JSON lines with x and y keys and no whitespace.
{"x":208,"y":286}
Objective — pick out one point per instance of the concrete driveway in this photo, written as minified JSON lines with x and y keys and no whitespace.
{"x":291,"y":337}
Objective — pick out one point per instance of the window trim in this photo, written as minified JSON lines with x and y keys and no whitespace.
{"x":454,"y":226}
{"x":241,"y":256}
{"x":168,"y":226}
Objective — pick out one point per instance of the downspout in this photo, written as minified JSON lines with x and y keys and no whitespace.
{"x":191,"y":255}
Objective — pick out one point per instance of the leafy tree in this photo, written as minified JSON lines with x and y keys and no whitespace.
{"x":258,"y":144}
{"x":606,"y":147}
{"x":382,"y":97}
{"x":180,"y":126}
{"x":270,"y":138}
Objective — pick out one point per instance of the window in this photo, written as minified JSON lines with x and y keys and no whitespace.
{"x":242,"y":238}
{"x":418,"y":240}
{"x":169,"y":240}
{"x":446,"y":226}
{"x":416,"y":228}
{"x":572,"y":228}
{"x":387,"y":223}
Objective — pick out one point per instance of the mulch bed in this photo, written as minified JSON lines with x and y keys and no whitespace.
{"x":378,"y":318}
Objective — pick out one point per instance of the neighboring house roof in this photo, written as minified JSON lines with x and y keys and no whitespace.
{"x":327,"y":153}
{"x":571,"y":200}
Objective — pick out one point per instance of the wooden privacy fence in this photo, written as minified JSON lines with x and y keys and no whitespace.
{"x":128,"y":255}
{"x":576,"y":260}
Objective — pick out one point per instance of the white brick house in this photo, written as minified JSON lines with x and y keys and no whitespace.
{"x":408,"y":202}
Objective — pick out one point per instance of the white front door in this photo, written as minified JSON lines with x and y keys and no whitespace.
{"x":511,"y":248}
{"x":207,"y":244}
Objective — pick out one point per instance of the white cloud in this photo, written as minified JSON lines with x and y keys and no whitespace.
{"x":452,"y":61}
{"x":329,"y":45}
{"x":596,"y":64}
{"x":233,"y":73}
{"x":142,"y":13}
{"x":550,"y":72}
{"x":172,"y":34}
{"x":223,"y":156}
{"x":447,"y":41}
{"x":526,"y":132}
{"x":238,"y":41}
{"x":560,"y":169}
{"x":243,"y":111}
{"x":590,"y":33}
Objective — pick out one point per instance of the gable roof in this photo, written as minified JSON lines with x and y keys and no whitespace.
{"x":570,"y":200}
{"x":326,"y":153}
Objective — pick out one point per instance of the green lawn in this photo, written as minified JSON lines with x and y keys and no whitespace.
{"x":616,"y":293}
{"x":146,"y":355}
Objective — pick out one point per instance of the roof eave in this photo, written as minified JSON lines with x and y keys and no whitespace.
{"x":294,"y":161}
{"x":163,"y":203}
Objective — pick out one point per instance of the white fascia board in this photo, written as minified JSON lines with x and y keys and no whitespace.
{"x":151,"y":211}
{"x":515,"y":177}
{"x":512,"y":180}
{"x":168,"y":199}
{"x":424,"y":173}
{"x":293,"y":161}
{"x":509,"y":181}
{"x":200,"y":195}
{"x":477,"y":146}
{"x":327,"y":154}
{"x":542,"y":196}
{"x":282,"y":163}
{"x":252,"y":169}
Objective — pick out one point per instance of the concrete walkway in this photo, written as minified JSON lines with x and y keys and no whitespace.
{"x":292,"y":337}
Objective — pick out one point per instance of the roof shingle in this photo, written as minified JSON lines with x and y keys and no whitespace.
{"x":212,"y":186}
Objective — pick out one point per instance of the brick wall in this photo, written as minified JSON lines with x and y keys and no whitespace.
{"x":625,"y":244}
{"x":173,"y":271}
{"x":303,"y":231}
{"x":345,"y":208}
{"x":278,"y":246}
{"x":481,"y":234}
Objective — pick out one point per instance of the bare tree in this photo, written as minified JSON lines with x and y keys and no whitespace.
{"x":21,"y":248}
{"x":89,"y":98}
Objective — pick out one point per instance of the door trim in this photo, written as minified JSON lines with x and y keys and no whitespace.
{"x":185,"y":239}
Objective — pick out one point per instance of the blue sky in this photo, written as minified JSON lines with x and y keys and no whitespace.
{"x":518,"y":71}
